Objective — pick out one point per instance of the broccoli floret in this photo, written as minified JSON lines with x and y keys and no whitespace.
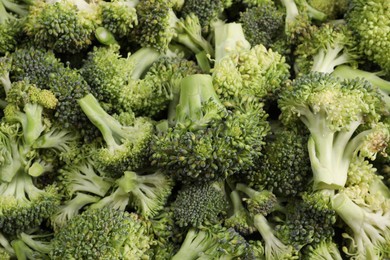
{"x":124,"y":147}
{"x":370,"y":21}
{"x":146,"y":193}
{"x":159,"y":25}
{"x":347,"y":72}
{"x":214,"y":242}
{"x":44,"y":70}
{"x":255,"y":73}
{"x":284,"y":168}
{"x":298,"y":18}
{"x":102,"y":234}
{"x":332,"y":110}
{"x":308,"y":221}
{"x":119,"y":16}
{"x":23,"y":205}
{"x":199,"y":205}
{"x":324,"y":250}
{"x":12,"y":20}
{"x":207,"y":11}
{"x":262,"y":24}
{"x":197,"y":147}
{"x":239,"y":218}
{"x":32,"y":246}
{"x":369,"y":227}
{"x":153,"y":94}
{"x":325,"y":48}
{"x":64,"y":26}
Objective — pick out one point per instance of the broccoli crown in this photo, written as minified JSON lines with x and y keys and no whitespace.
{"x":42,"y":68}
{"x":24,"y":206}
{"x":370,"y":20}
{"x":324,"y":48}
{"x":284,"y":168}
{"x":119,"y":16}
{"x":198,"y":205}
{"x":308,"y":221}
{"x":239,"y":218}
{"x":62,"y":26}
{"x":106,"y":72}
{"x":124,"y":147}
{"x":206,"y":10}
{"x":257,"y":73}
{"x":257,"y":202}
{"x":102,"y":234}
{"x":11,"y":32}
{"x":156,"y":22}
{"x":262,"y":24}
{"x":207,"y":134}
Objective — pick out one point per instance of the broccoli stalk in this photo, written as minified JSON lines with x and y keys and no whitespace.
{"x":229,"y":37}
{"x":274,"y":248}
{"x":371,"y":229}
{"x":26,"y":246}
{"x":195,"y":243}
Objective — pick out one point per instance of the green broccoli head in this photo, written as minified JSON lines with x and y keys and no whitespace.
{"x":198,"y":205}
{"x":102,"y":234}
{"x":284,"y":168}
{"x":258,"y":72}
{"x":24,"y":206}
{"x":64,"y":26}
{"x":309,"y":221}
{"x":369,"y":21}
{"x":332,"y":110}
{"x":11,"y":33}
{"x":262,"y":24}
{"x":119,"y":16}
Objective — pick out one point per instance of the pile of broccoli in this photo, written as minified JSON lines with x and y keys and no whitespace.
{"x":194,"y":129}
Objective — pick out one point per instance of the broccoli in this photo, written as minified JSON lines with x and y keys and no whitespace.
{"x":123,"y":147}
{"x":347,"y":72}
{"x":284,"y":167}
{"x":196,"y":147}
{"x":11,"y":24}
{"x":102,"y":234}
{"x":158,"y":26}
{"x":32,"y":246}
{"x":64,"y":26}
{"x":332,"y":110}
{"x":262,"y":24}
{"x":370,"y":229}
{"x":119,"y":16}
{"x":324,"y":250}
{"x":199,"y":205}
{"x":213,"y":242}
{"x":324,"y":48}
{"x":309,"y":221}
{"x":255,"y":73}
{"x":147,"y":193}
{"x":369,"y":21}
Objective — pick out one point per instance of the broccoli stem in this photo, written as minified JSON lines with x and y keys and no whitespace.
{"x":195,"y":91}
{"x":248,"y":191}
{"x":33,"y":127}
{"x":195,"y":243}
{"x":229,"y":37}
{"x":111,"y":130}
{"x":142,"y":59}
{"x":326,"y":60}
{"x":274,"y":248}
{"x":13,"y":7}
{"x":314,"y":13}
{"x":291,"y":11}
